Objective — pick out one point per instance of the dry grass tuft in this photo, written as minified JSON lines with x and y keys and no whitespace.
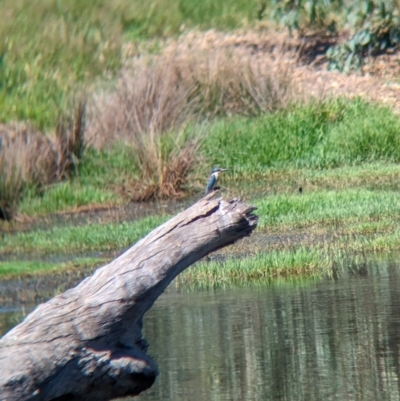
{"x":160,"y":92}
{"x":149,"y":99}
{"x":70,"y":140}
{"x":156,"y":95}
{"x":28,"y":158}
{"x":164,"y":173}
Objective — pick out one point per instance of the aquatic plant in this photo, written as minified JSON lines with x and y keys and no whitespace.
{"x":263,"y":267}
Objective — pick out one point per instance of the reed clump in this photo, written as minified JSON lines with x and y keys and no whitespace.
{"x":30,"y":159}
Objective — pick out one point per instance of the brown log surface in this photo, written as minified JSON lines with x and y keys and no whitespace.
{"x":86,"y":344}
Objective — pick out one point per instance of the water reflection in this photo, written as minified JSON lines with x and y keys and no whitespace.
{"x":330,"y":340}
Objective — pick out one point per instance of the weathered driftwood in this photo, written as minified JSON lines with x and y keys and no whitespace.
{"x":86,"y":344}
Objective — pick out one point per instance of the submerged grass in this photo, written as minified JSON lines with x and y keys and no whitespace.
{"x":262,"y":268}
{"x":297,"y":262}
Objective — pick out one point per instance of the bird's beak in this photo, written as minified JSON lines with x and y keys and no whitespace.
{"x":224,"y":169}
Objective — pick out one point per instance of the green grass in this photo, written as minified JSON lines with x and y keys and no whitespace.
{"x":319,"y":135}
{"x":162,"y":18}
{"x":99,"y":181}
{"x":327,"y":208}
{"x":108,"y":167}
{"x":65,"y":196}
{"x":52,"y":49}
{"x":262,"y":268}
{"x":376,"y":176}
{"x":94,"y":237}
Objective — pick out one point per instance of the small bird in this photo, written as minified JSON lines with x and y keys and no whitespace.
{"x":212,"y":182}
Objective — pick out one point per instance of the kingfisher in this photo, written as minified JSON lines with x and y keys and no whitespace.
{"x":212,"y":181}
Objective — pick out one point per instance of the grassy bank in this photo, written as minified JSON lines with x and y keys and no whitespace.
{"x":343,"y":211}
{"x":319,"y":135}
{"x":299,"y":235}
{"x":342,"y":153}
{"x":154,"y":79}
{"x":330,"y":144}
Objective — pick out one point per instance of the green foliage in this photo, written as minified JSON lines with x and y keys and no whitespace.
{"x":375,"y":23}
{"x":377,"y":26}
{"x":300,"y":15}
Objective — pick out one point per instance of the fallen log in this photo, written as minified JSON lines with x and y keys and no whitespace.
{"x":86,"y":344}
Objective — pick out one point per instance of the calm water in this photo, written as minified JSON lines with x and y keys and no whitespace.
{"x":330,"y":340}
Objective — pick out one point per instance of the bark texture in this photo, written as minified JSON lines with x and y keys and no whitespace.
{"x":86,"y":344}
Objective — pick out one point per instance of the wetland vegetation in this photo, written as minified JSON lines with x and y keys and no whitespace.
{"x":165,"y":100}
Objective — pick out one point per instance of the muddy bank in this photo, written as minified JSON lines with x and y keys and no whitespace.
{"x":95,"y":215}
